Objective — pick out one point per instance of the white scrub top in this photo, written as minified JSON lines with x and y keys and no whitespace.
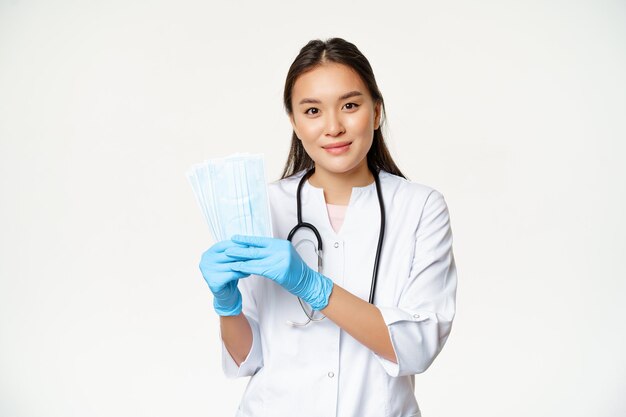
{"x":320,"y":370}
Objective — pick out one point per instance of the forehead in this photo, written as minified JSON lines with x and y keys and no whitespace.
{"x":328,"y":81}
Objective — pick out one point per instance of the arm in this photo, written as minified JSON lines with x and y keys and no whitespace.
{"x":237,"y":336}
{"x":241,"y":344}
{"x":242,"y":353}
{"x":361,"y":320}
{"x":420,"y":323}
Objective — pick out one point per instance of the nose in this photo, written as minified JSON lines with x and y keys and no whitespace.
{"x":334,"y":125}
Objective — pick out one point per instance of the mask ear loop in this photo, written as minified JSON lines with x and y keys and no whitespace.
{"x":310,"y":317}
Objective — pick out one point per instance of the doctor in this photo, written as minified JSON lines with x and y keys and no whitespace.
{"x":361,"y":359}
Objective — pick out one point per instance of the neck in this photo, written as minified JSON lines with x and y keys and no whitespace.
{"x":338,"y":186}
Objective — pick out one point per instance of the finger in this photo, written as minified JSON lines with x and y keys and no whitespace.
{"x":217,"y":281}
{"x":241,"y":275}
{"x":223,"y":288}
{"x":221,"y":246}
{"x":247,"y":267}
{"x":219,"y":271}
{"x":215,"y":254}
{"x":218,"y":268}
{"x":225,"y":258}
{"x":246,"y":253}
{"x":256,"y":241}
{"x":230,"y":275}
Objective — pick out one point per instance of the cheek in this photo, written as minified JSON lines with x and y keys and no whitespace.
{"x":362,"y":123}
{"x":309,"y":129}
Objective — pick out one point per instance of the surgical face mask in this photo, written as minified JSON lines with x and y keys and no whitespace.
{"x":232,"y":194}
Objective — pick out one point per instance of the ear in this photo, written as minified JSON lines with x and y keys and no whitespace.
{"x":293,"y":125}
{"x":377,"y":115}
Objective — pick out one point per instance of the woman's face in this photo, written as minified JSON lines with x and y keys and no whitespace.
{"x":334,"y":116}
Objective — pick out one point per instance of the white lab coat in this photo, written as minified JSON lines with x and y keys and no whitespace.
{"x":320,"y":370}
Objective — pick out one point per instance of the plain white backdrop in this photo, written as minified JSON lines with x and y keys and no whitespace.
{"x":514,"y":110}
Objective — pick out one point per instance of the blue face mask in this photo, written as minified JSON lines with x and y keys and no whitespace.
{"x":232,"y":194}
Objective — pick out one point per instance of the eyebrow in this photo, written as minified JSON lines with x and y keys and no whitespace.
{"x":343,"y":97}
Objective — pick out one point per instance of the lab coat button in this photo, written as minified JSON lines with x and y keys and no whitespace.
{"x":336,"y":244}
{"x":416,"y":316}
{"x":331,"y":374}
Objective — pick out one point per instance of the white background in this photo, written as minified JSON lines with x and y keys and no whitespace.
{"x":514,"y":110}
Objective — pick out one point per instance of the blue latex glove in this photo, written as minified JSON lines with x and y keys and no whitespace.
{"x":222,"y":280}
{"x":278,"y":260}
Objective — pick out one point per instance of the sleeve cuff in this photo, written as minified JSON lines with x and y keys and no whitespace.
{"x":405,"y":335}
{"x":252,"y":363}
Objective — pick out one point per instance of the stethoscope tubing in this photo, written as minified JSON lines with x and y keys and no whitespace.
{"x":381,"y":236}
{"x":309,"y":226}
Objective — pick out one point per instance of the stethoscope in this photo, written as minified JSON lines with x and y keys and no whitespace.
{"x":309,"y":226}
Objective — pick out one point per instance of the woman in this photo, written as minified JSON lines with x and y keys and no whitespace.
{"x":360,"y":360}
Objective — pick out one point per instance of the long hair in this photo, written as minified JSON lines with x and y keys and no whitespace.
{"x":339,"y":51}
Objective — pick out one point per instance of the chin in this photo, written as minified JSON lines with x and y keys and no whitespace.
{"x":338,"y":167}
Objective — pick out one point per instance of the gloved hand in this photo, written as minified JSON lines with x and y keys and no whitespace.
{"x":222,"y":280}
{"x":278,"y":260}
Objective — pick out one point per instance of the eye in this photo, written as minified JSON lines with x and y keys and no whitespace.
{"x":351,"y":106}
{"x":315,"y":110}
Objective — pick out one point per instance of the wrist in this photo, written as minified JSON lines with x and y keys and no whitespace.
{"x":228,"y":305}
{"x":321,"y":297}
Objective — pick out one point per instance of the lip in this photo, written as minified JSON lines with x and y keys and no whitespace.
{"x":336,"y":145}
{"x":337,"y":148}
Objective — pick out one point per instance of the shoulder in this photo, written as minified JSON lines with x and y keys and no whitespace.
{"x":404,"y":189}
{"x":408,"y":199}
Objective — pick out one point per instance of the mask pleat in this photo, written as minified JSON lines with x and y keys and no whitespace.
{"x":238,"y":203}
{"x":247,"y":202}
{"x":232,"y":195}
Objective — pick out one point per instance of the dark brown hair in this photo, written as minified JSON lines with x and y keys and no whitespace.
{"x":340,"y":51}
